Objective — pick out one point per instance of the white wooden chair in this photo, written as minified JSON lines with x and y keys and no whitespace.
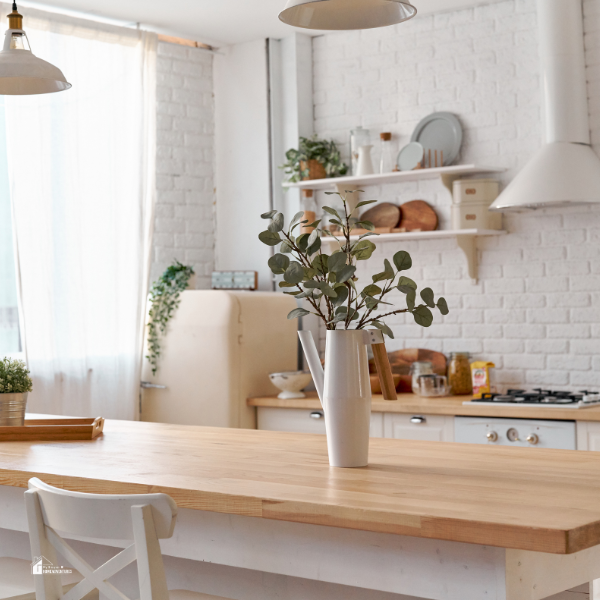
{"x":142,"y":519}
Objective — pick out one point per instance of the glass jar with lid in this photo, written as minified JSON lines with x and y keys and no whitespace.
{"x":416,"y":370}
{"x":459,"y":373}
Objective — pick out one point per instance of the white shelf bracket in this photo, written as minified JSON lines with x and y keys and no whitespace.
{"x":468,"y":244}
{"x":448,"y":180}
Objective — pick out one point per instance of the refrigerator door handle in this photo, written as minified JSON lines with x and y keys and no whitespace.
{"x":147,"y":385}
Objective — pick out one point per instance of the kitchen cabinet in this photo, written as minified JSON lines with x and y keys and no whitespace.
{"x":299,"y":420}
{"x":588,"y":435}
{"x":429,"y":428}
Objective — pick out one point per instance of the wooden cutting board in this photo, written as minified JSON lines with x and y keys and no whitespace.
{"x":418,"y":215}
{"x":401,"y":361}
{"x":382,"y":215}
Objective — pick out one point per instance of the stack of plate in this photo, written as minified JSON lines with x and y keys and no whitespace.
{"x":439,"y":132}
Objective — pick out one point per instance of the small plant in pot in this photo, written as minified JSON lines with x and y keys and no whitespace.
{"x":314,"y":159}
{"x":353,"y":317}
{"x":15,"y":384}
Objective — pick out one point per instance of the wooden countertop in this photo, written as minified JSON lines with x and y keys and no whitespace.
{"x":544,"y":501}
{"x":451,"y":405}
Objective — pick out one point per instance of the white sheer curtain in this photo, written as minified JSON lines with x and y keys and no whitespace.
{"x":82,"y":174}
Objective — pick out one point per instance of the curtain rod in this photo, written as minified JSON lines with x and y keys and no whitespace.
{"x":189,"y":43}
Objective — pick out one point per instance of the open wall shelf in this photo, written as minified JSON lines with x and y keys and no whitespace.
{"x":465,"y":238}
{"x":447,"y":174}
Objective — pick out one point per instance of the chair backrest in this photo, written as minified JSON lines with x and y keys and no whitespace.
{"x":140,"y":518}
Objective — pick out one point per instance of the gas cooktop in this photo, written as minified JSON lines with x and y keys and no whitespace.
{"x":540,"y":397}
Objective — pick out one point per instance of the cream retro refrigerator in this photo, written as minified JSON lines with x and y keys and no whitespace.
{"x":219,"y":350}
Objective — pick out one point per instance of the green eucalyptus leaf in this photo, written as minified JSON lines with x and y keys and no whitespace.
{"x":405,"y":284}
{"x":333,"y":212}
{"x":383,"y":327}
{"x":294,"y":273}
{"x":312,"y":238}
{"x":388,"y":273}
{"x":319,"y":264}
{"x":428,"y":297}
{"x":402,"y":260}
{"x":342,"y":295}
{"x":270,"y":238}
{"x":277,"y":223}
{"x":298,"y":312}
{"x":296,"y":293}
{"x":337,"y":261}
{"x":365,"y":202}
{"x":327,"y":290}
{"x":346,"y":273}
{"x":363,"y":249}
{"x":311,"y":284}
{"x":365,"y":225}
{"x":309,"y":274}
{"x":302,"y":241}
{"x":286,"y":248}
{"x":314,"y":248}
{"x":371,"y":290}
{"x":297,"y":217}
{"x":423,"y":316}
{"x":268,"y":215}
{"x":411,"y":297}
{"x":285,"y":284}
{"x":443,"y":306}
{"x":278,"y":263}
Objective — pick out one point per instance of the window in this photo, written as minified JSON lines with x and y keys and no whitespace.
{"x":10,"y":342}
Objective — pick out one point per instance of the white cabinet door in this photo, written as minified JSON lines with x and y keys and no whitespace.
{"x":299,"y":420}
{"x":588,"y":435}
{"x":428,"y":428}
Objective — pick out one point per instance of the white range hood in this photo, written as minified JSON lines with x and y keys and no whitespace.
{"x":566,"y":170}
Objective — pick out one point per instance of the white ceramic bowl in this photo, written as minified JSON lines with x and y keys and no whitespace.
{"x":291,"y":382}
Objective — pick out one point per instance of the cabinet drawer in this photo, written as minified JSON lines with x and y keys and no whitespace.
{"x":299,"y":420}
{"x":427,"y":428}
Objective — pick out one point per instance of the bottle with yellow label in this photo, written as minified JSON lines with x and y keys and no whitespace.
{"x":480,"y":373}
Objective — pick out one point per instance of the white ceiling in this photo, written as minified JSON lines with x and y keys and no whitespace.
{"x":217,"y":22}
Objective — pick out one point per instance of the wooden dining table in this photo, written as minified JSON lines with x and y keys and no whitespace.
{"x":261,"y":512}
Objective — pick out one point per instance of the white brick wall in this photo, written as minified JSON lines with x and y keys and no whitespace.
{"x":184,"y":224}
{"x":536,"y":310}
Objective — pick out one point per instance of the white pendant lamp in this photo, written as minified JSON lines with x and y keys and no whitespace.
{"x":346,"y":14}
{"x":21,"y":72}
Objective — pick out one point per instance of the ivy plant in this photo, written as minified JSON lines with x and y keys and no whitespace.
{"x":164,"y":300}
{"x":14,"y":377}
{"x":324,"y":151}
{"x":328,"y":282}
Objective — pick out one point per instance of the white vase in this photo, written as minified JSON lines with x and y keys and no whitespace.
{"x":365,"y":164}
{"x":345,"y":391}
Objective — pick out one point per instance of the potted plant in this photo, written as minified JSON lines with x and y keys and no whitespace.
{"x":314,"y":159}
{"x":327,"y":284}
{"x":164,"y":301}
{"x":15,"y":384}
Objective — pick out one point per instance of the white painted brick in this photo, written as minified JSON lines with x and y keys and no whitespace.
{"x":184,"y":216}
{"x":547,"y":346}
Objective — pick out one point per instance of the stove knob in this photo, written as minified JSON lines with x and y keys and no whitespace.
{"x":533,"y":439}
{"x":492,"y":436}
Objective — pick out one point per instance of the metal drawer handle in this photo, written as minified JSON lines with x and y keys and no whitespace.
{"x":418,"y":420}
{"x":316,"y":415}
{"x":152,"y":386}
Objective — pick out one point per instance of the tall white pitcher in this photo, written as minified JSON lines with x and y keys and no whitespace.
{"x":344,"y":388}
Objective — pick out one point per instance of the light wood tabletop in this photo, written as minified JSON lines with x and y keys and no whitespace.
{"x":450,"y":405}
{"x":542,"y":500}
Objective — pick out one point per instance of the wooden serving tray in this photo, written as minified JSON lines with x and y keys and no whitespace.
{"x":53,"y":430}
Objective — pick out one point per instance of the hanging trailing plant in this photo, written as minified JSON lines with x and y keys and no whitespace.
{"x":164,"y":300}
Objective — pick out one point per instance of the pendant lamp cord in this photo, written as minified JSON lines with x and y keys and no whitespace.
{"x":14,"y":7}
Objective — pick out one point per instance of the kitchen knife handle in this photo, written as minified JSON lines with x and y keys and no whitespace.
{"x":384,"y":370}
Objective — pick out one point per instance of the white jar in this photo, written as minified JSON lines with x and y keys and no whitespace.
{"x":475,"y":191}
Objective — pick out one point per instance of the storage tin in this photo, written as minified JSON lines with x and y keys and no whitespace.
{"x":475,"y":216}
{"x":473,"y":191}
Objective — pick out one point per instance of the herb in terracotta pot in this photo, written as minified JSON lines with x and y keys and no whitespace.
{"x":314,"y":159}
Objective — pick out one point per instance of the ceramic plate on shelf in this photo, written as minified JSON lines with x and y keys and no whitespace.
{"x":410,"y":156}
{"x":440,"y":131}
